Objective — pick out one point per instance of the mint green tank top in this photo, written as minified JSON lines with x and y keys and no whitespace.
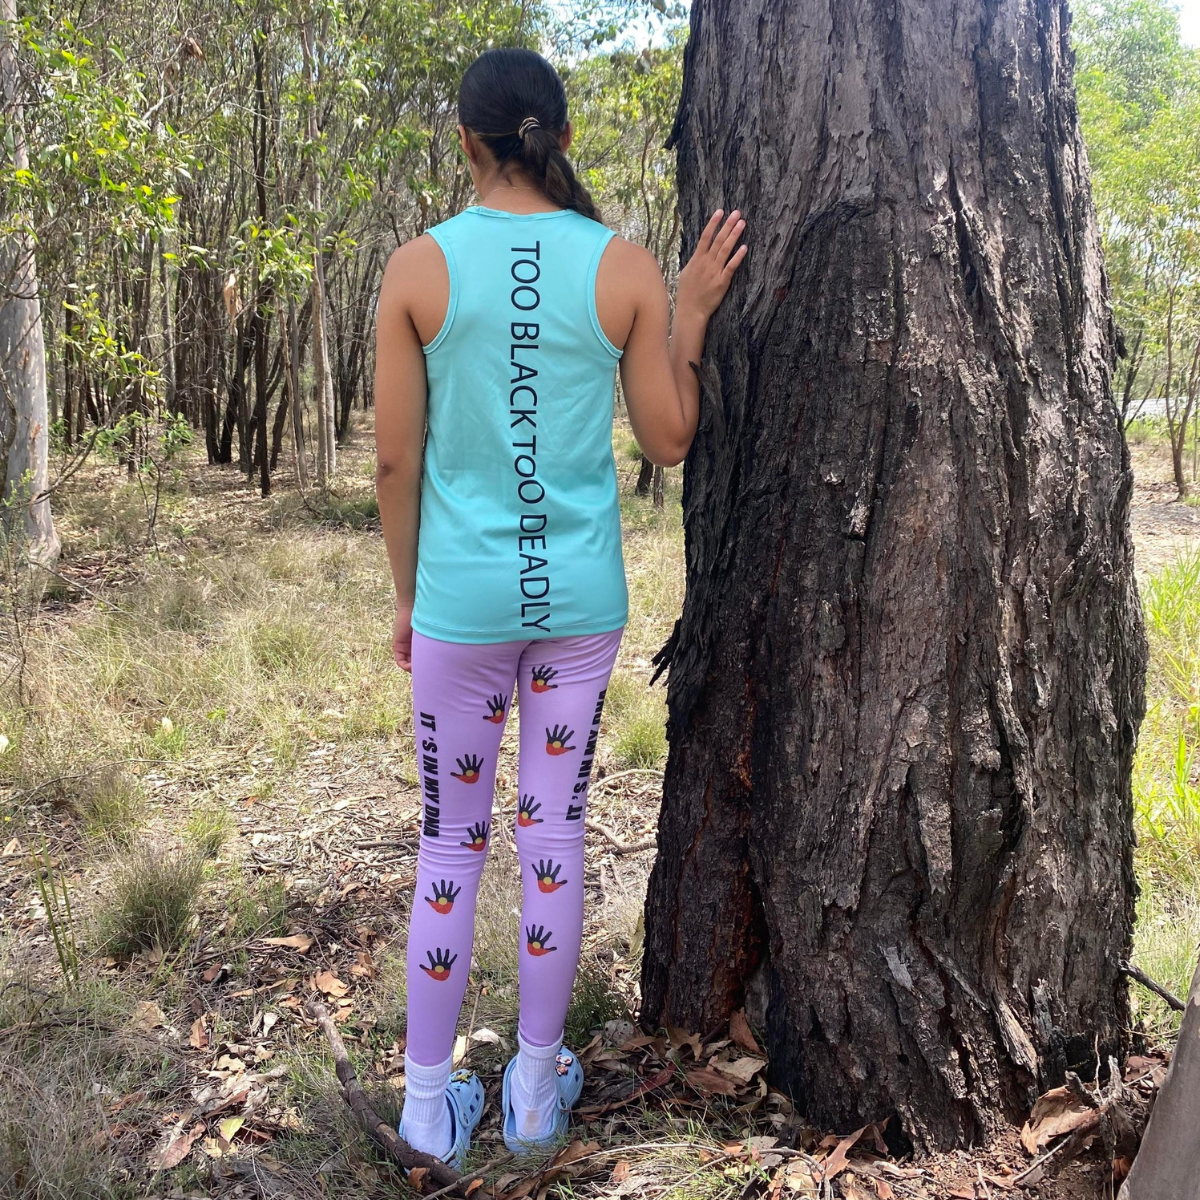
{"x":520,"y":521}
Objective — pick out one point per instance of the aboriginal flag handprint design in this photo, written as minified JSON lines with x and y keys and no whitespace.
{"x":468,"y":768}
{"x":557,"y":739}
{"x":541,"y":679}
{"x":439,"y":967}
{"x":444,"y":895}
{"x":536,"y":937}
{"x":547,"y":875}
{"x":496,"y":706}
{"x":477,"y":835}
{"x":525,"y":811}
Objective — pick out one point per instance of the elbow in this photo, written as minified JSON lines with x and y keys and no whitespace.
{"x":388,"y":471}
{"x":669,"y":455}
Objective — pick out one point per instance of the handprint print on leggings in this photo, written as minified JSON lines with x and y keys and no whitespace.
{"x":473,"y":689}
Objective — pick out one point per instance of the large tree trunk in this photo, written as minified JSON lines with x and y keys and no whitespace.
{"x":24,"y":419}
{"x":906,"y":685}
{"x":1167,"y":1166}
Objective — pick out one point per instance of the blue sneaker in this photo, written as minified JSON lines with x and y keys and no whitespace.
{"x":569,"y":1077}
{"x":464,"y":1095}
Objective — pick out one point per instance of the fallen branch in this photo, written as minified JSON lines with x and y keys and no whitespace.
{"x":619,"y":846}
{"x":609,"y":779}
{"x":1157,"y":988}
{"x":424,"y":1167}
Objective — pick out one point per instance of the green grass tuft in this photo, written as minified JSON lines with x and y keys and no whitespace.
{"x":208,"y":829}
{"x":151,"y":899}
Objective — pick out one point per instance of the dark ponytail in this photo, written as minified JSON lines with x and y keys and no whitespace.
{"x":514,"y":102}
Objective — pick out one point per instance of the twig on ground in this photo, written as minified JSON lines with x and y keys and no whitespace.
{"x":619,"y":846}
{"x":262,"y":1181}
{"x":600,"y":783}
{"x":445,"y":1179}
{"x":1157,"y":988}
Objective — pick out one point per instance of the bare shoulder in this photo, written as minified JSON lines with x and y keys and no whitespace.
{"x":414,"y":264}
{"x":627,"y":281}
{"x":628,"y":261}
{"x":416,"y":283}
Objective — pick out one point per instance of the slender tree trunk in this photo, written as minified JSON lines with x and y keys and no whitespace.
{"x":68,"y":395}
{"x":168,"y":327}
{"x":906,"y":685}
{"x":328,"y":409}
{"x":292,"y":382}
{"x":262,"y":325}
{"x":24,"y":419}
{"x":645,"y":477}
{"x":322,"y":382}
{"x":1167,"y":1166}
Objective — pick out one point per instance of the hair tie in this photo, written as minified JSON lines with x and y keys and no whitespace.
{"x":526,"y":125}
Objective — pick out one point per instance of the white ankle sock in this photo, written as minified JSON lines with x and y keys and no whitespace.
{"x":534,"y":1089}
{"x":426,"y":1114}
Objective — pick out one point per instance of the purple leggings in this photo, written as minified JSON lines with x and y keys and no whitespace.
{"x":461,"y":698}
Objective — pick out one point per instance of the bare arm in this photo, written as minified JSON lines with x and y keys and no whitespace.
{"x":661,"y":389}
{"x":399,"y":439}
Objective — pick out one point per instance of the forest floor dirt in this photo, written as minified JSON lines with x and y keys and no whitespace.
{"x":231,"y":671}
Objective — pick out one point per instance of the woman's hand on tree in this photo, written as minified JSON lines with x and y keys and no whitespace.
{"x":709,"y":272}
{"x":402,"y":637}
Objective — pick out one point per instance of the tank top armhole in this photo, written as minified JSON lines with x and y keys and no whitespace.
{"x":593,"y":269}
{"x":452,"y":303}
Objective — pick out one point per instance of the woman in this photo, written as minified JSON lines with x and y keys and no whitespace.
{"x":499,"y":335}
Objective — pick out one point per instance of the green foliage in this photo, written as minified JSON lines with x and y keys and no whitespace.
{"x":624,"y":104}
{"x":1171,"y":602}
{"x":1139,"y":101}
{"x":1166,"y":784}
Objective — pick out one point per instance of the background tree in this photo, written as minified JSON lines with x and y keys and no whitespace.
{"x":24,"y":418}
{"x":624,"y":105}
{"x":1139,"y":89}
{"x":906,"y":685}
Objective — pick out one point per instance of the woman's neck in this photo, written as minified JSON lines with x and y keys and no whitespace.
{"x":513,"y":193}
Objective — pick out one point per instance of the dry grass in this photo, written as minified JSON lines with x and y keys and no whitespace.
{"x":231,"y":696}
{"x":62,"y":1062}
{"x":199,"y":698}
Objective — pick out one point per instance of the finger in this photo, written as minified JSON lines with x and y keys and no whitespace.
{"x":727,"y":238}
{"x":735,"y":262}
{"x":706,"y":237}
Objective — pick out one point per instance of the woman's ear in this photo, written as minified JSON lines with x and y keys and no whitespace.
{"x":468,"y":144}
{"x":564,"y":138}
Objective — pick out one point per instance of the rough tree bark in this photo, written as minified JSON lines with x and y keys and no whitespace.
{"x":24,"y":419}
{"x":906,"y":685}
